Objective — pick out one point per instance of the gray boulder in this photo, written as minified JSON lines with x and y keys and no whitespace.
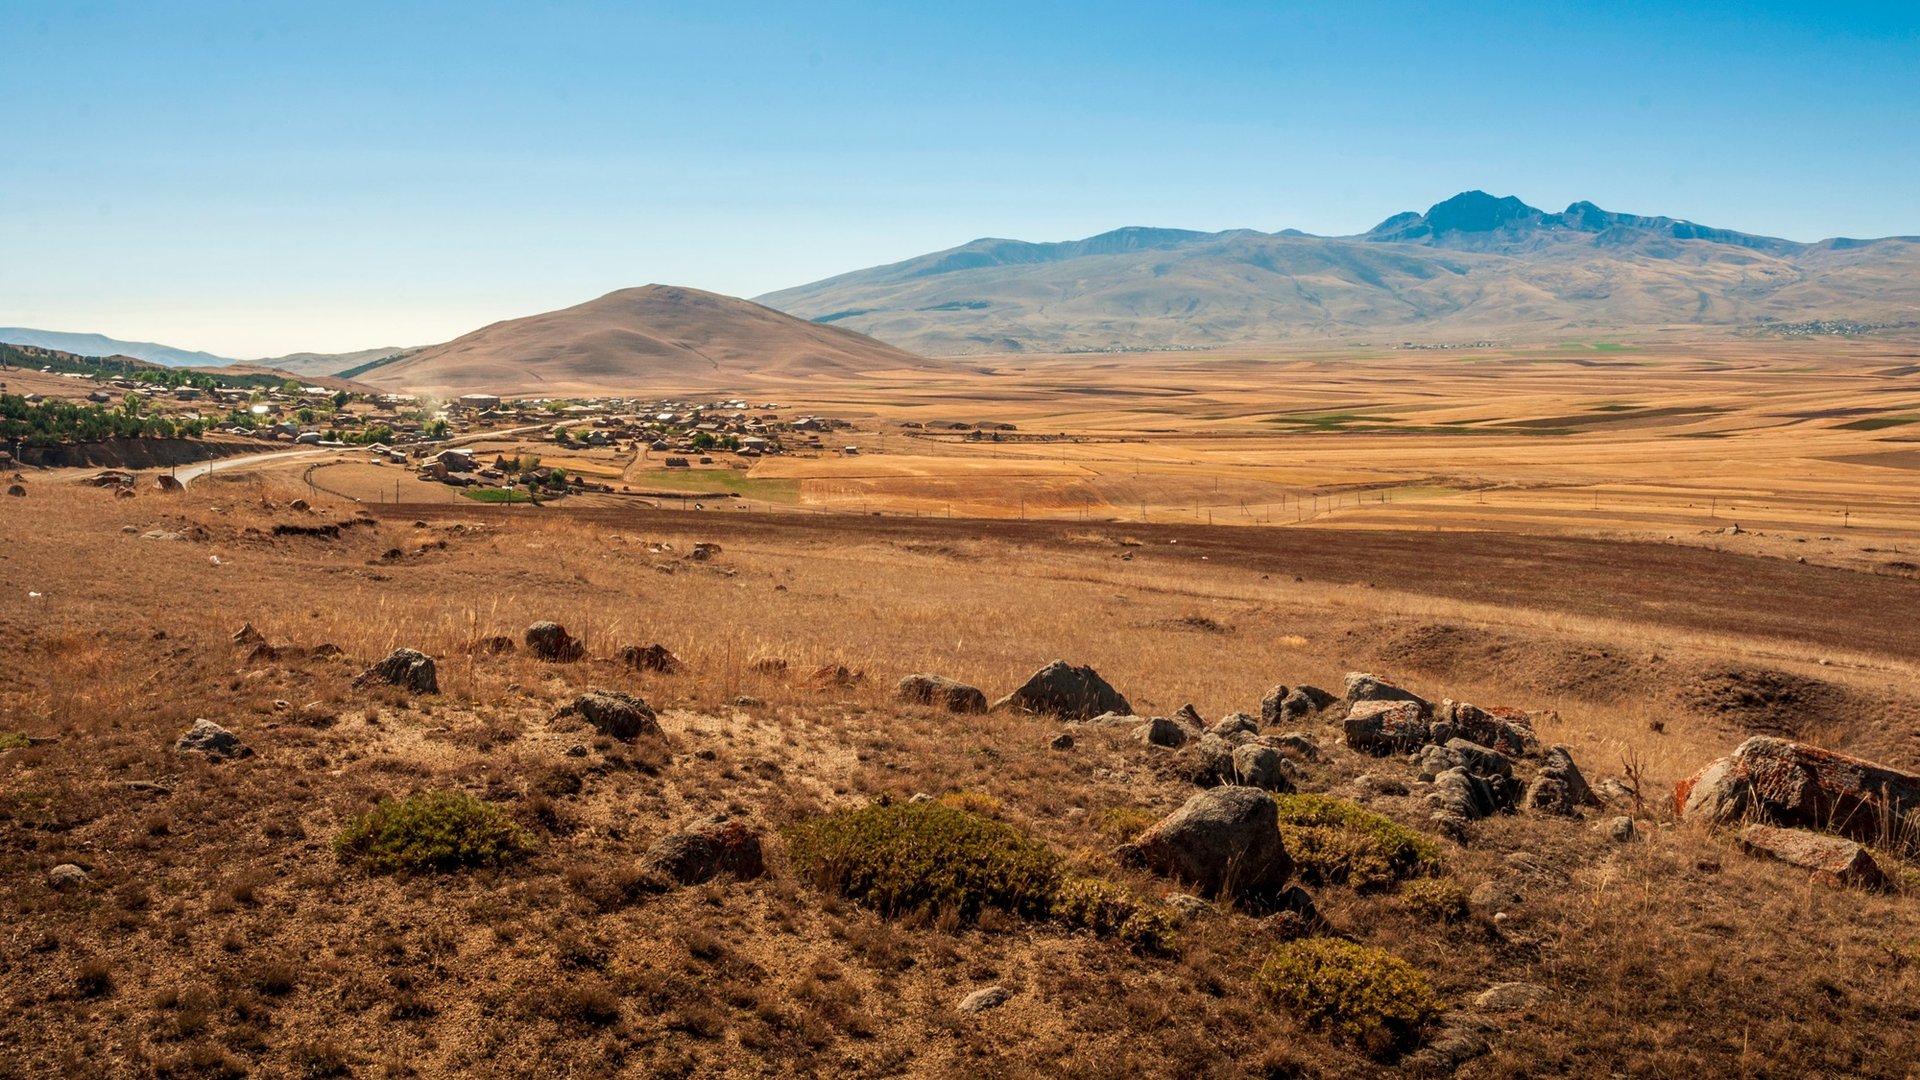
{"x":1559,"y":788}
{"x":707,"y":849}
{"x":1161,"y":731}
{"x":216,"y":742}
{"x":614,"y":713}
{"x":1364,"y":687}
{"x":409,"y":669}
{"x":1236,"y":724}
{"x":1297,"y":743}
{"x":1060,"y":689}
{"x":550,"y":641}
{"x":1291,"y":706}
{"x":1225,"y":841}
{"x":948,"y":694}
{"x":1261,"y":767}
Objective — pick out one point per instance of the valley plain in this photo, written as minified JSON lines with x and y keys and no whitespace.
{"x":1656,"y":550}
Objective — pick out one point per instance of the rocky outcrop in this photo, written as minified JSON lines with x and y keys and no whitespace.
{"x":942,"y":692}
{"x":1225,"y":841}
{"x":1060,"y":689}
{"x":1794,"y":784}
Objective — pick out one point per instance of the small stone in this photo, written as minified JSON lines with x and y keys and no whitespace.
{"x":920,"y":797}
{"x":747,"y":701}
{"x":1510,"y":997}
{"x":1620,"y":829}
{"x":1189,"y":905}
{"x":576,"y":750}
{"x":209,"y":738}
{"x":1062,"y":741}
{"x":66,"y":876}
{"x":980,"y":1001}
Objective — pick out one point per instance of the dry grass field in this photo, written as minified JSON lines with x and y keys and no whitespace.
{"x":218,"y":933}
{"x":1811,"y":448}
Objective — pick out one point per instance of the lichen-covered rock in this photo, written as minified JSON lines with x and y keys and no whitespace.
{"x":1225,"y":841}
{"x":1794,"y":784}
{"x":1509,"y":731}
{"x":1832,"y":860}
{"x":1059,"y":689}
{"x":938,"y":690}
{"x":1386,"y":727}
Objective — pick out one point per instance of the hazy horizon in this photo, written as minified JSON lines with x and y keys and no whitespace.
{"x":251,"y":183}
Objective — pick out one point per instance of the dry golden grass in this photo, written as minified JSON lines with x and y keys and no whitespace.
{"x":218,"y":935}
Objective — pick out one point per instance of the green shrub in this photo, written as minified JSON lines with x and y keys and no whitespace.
{"x":1334,"y":842}
{"x":1110,"y":910}
{"x":1355,"y":993}
{"x":1124,"y":823}
{"x":1439,"y":899}
{"x":433,"y":830}
{"x":904,"y":857}
{"x":14,"y":740}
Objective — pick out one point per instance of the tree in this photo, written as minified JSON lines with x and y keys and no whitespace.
{"x":305,"y":415}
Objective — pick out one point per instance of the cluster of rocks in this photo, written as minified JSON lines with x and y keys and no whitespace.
{"x":1805,"y":806}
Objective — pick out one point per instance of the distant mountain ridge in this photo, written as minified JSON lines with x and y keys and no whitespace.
{"x":101,"y":345}
{"x":1473,"y":264}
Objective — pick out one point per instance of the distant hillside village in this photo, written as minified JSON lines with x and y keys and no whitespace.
{"x":687,"y":434}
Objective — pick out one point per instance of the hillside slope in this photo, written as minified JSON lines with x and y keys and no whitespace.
{"x":654,"y":337}
{"x":1470,"y":266}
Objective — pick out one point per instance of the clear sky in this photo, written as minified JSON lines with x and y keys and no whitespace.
{"x":258,"y":178}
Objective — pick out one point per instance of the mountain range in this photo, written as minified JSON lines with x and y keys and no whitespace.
{"x":1471,"y":266}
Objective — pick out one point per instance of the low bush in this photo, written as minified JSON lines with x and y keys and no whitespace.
{"x":1110,"y":910}
{"x":1334,"y":842}
{"x":1438,"y":899}
{"x":1357,"y":994}
{"x":433,"y":830}
{"x":905,"y":857}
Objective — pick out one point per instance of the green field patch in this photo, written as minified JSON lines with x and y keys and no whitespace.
{"x":1875,"y":423}
{"x":710,"y":480}
{"x":497,"y":495}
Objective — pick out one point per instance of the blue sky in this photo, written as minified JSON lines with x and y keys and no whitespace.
{"x":257,"y":178}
